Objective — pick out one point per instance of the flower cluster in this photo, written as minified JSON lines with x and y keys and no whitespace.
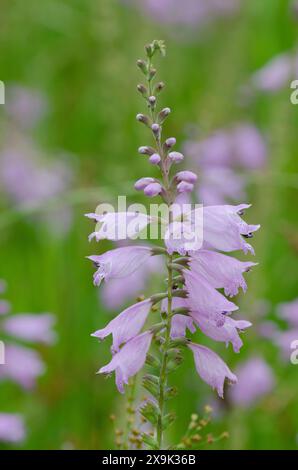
{"x":21,"y":364}
{"x":226,"y":159}
{"x":196,"y":268}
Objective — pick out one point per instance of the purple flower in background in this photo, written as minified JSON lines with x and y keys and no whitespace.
{"x":275,"y":74}
{"x":188,"y":13}
{"x":224,"y":160}
{"x":255,"y":379}
{"x":211,"y":368}
{"x":20,"y":165}
{"x":129,"y":360}
{"x":22,"y":365}
{"x":25,"y":106}
{"x":32,"y":328}
{"x":4,"y":307}
{"x":12,"y":428}
{"x":289,"y":312}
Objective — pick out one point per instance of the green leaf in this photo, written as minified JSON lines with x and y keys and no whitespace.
{"x":168,"y":420}
{"x":150,"y":441}
{"x":150,"y":411}
{"x":151,"y":383}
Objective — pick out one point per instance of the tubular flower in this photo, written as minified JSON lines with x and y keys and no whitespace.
{"x":220,"y":271}
{"x":129,"y":360}
{"x":126,"y":325}
{"x":211,"y":368}
{"x":119,"y":263}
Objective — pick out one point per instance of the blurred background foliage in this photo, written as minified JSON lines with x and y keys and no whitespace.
{"x":80,"y":55}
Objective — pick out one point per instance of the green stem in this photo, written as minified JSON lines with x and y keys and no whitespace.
{"x":165,"y":346}
{"x":164,"y":361}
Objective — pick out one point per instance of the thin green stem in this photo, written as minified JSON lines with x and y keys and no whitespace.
{"x":164,"y":361}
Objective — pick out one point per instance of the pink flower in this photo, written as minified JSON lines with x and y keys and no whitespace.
{"x":12,"y":428}
{"x":223,"y":227}
{"x":23,"y":366}
{"x":29,"y":327}
{"x":119,"y":225}
{"x":226,"y":333}
{"x":129,"y":360}
{"x":255,"y":379}
{"x":179,"y":325}
{"x":275,"y":74}
{"x":204,"y":300}
{"x":116,"y":293}
{"x":211,"y":367}
{"x":4,"y":307}
{"x":119,"y":263}
{"x":220,"y":270}
{"x":289,"y":312}
{"x":126,"y":325}
{"x":181,"y":237}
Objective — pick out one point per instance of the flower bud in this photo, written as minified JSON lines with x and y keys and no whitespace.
{"x":152,"y":99}
{"x":155,"y":128}
{"x":170,"y":142}
{"x":149,"y":50}
{"x":145,"y":150}
{"x":187,"y":176}
{"x":163,"y":114}
{"x":142,"y":89}
{"x":143,"y":182}
{"x":142,"y":118}
{"x":176,"y":157}
{"x":142,"y":66}
{"x":155,"y":159}
{"x":184,"y":187}
{"x":159,"y":87}
{"x":153,"y":189}
{"x":152,"y":73}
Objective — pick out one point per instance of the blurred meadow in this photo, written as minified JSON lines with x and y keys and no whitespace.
{"x":69,"y":141}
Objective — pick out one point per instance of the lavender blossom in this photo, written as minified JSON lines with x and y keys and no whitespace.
{"x":191,"y":13}
{"x":196,"y":270}
{"x":129,"y":360}
{"x":33,"y":328}
{"x":23,"y":365}
{"x":116,"y":293}
{"x":126,"y":325}
{"x":226,"y":159}
{"x":120,"y":262}
{"x":255,"y":379}
{"x":12,"y":428}
{"x":211,"y":368}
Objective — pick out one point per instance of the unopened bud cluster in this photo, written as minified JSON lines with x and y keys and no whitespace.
{"x":162,"y":154}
